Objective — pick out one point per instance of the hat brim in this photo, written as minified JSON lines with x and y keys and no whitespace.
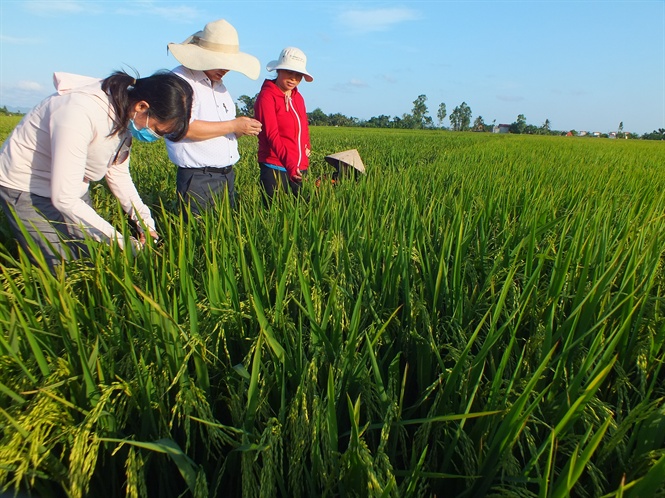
{"x":350,"y":158}
{"x":201,"y":59}
{"x":274,"y":66}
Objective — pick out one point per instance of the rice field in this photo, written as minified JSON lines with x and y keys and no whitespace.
{"x":480,"y":315}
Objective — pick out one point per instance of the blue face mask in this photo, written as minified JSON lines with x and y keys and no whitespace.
{"x":144,"y":134}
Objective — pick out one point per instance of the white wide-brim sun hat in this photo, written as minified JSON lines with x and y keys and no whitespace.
{"x":293,"y":59}
{"x":216,"y":47}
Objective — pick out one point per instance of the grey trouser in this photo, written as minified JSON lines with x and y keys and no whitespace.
{"x":199,"y":187}
{"x":42,"y":223}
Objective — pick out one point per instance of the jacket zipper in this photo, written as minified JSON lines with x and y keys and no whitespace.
{"x":290,"y":101}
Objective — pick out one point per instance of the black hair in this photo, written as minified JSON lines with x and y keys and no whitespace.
{"x":168,"y":95}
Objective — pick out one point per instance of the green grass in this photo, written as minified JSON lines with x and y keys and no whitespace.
{"x":480,"y":315}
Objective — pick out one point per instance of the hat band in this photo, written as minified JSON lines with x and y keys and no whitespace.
{"x":216,"y":47}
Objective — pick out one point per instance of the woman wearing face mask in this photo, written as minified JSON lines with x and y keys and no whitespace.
{"x":284,"y":145}
{"x":83,"y":133}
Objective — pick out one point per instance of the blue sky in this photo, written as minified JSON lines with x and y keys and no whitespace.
{"x":584,"y":65}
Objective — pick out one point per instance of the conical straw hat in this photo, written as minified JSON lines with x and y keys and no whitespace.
{"x":348,"y":158}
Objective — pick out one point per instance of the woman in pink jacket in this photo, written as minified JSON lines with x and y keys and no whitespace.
{"x":80,"y":134}
{"x":284,"y":145}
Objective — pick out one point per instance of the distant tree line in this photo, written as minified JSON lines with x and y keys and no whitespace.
{"x":5,"y":112}
{"x":658,"y":134}
{"x":460,"y":120}
{"x":418,"y":118}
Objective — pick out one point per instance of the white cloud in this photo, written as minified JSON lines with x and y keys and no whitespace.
{"x":15,"y":40}
{"x":350,"y":86}
{"x":578,"y":93}
{"x":388,"y":78}
{"x":164,"y":10}
{"x":22,"y":94}
{"x":171,"y":12}
{"x":372,"y":20}
{"x":52,"y":7}
{"x":357,"y":83}
{"x":510,"y":98}
{"x":181,"y":13}
{"x":29,"y":86}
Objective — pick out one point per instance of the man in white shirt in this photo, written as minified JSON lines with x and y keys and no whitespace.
{"x":205,"y":157}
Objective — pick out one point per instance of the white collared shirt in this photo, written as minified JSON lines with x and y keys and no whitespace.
{"x":211,"y":102}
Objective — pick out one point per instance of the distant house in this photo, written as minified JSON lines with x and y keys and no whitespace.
{"x":582,"y":134}
{"x":502,"y":128}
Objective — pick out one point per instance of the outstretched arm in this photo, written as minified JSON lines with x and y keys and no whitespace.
{"x":204,"y":130}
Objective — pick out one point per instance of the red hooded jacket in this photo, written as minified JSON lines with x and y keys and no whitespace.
{"x":284,"y":137}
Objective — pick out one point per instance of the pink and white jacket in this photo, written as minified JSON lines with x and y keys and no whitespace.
{"x":62,"y":145}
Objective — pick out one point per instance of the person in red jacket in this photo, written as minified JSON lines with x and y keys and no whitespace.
{"x":284,"y":145}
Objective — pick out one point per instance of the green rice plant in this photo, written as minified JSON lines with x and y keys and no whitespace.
{"x":479,"y":315}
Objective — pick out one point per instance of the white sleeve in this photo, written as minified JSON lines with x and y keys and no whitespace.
{"x":71,"y":134}
{"x":121,"y":184}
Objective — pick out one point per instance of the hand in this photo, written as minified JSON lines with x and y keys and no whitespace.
{"x":247,"y":126}
{"x":153,"y":234}
{"x":296,"y":177}
{"x":135,"y":244}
